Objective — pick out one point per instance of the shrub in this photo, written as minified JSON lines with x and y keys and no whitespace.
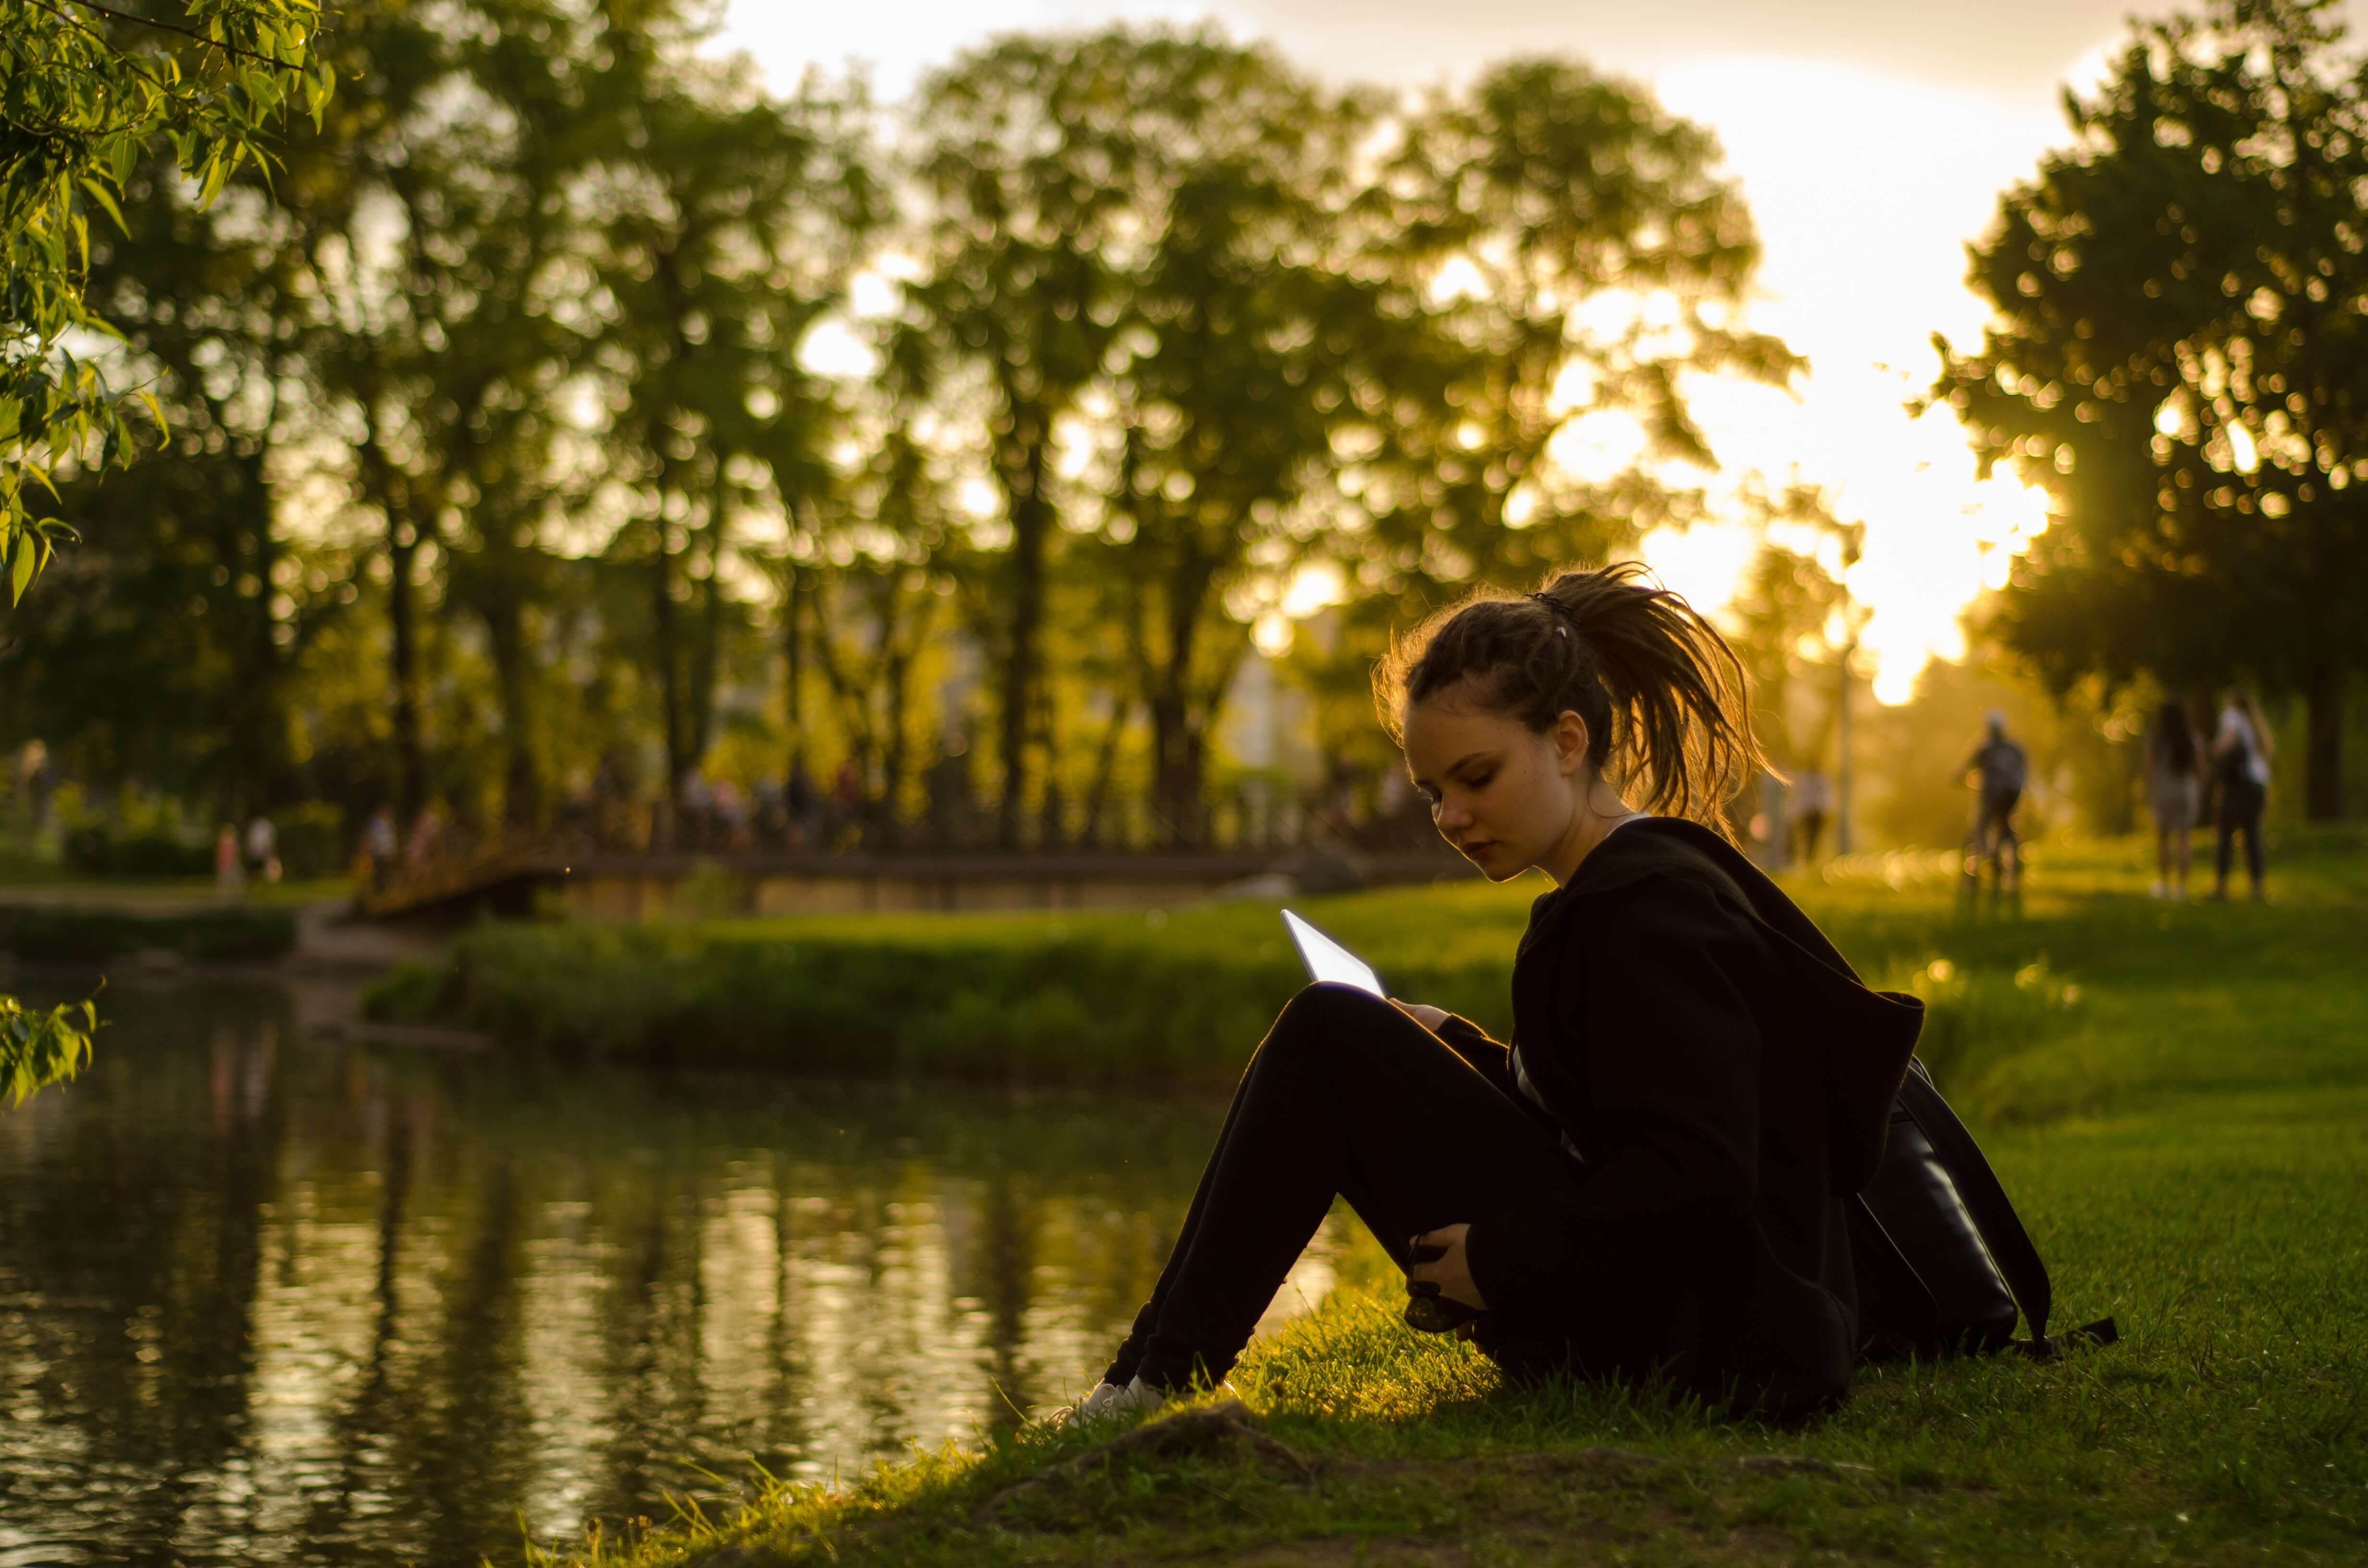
{"x":1093,"y":1008}
{"x":311,"y":839}
{"x":116,"y":852}
{"x":235,"y":934}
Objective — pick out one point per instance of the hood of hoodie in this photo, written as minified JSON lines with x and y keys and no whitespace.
{"x":1859,"y":1041}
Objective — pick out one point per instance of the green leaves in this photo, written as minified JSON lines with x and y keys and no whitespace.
{"x":2176,"y":358}
{"x":39,"y":1049}
{"x":25,"y":554}
{"x":83,"y":93}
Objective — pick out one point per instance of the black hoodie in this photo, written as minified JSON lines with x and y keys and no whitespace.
{"x":1726,"y":1081}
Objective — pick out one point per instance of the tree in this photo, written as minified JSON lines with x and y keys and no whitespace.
{"x":77,"y":108}
{"x":1024,"y":155}
{"x":1509,"y":216}
{"x":84,"y":92}
{"x":879,"y":613}
{"x":448,"y":269}
{"x":729,"y":224}
{"x":2176,"y":356}
{"x":1234,"y":360}
{"x":1544,"y":190}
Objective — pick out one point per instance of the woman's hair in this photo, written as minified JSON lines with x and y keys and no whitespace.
{"x":1662,"y":695}
{"x":2176,"y":736}
{"x":2255,"y":716}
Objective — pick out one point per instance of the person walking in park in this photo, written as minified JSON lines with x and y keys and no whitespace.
{"x":2000,"y":769}
{"x":263,"y":848}
{"x":1812,"y":807}
{"x":230,"y":874}
{"x":2174,"y":779}
{"x":377,"y":843}
{"x":2241,"y":749}
{"x":1648,"y":1183}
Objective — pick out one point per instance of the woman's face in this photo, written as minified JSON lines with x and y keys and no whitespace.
{"x":1503,"y":794}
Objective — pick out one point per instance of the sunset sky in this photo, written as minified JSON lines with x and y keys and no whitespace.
{"x":1872,"y":141}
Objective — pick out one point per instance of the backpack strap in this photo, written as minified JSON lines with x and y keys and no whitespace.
{"x":2001,"y":1229}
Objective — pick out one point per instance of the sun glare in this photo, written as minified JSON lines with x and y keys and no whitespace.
{"x":1864,"y":233}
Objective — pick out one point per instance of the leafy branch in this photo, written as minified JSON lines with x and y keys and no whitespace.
{"x":223,"y":44}
{"x":39,"y":1048}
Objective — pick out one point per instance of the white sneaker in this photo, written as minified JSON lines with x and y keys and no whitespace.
{"x":1109,"y":1402}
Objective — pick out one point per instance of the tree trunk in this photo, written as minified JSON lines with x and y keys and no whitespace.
{"x":1179,"y":718}
{"x":1032,"y":523}
{"x":707,"y":651}
{"x":387,"y":486}
{"x":1845,"y":773}
{"x":793,"y":653}
{"x":504,"y":618}
{"x":892,"y":753}
{"x":2323,"y":765}
{"x":1105,"y":768}
{"x":403,"y":618}
{"x":664,"y":635}
{"x":256,"y":738}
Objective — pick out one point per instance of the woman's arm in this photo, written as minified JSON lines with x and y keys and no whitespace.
{"x":1489,"y":1058}
{"x":1671,"y":1065}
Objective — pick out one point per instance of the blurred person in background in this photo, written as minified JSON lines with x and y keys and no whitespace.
{"x":263,"y":848}
{"x":425,"y":843}
{"x":2001,"y":771}
{"x":378,"y":845}
{"x":802,"y":800}
{"x":230,"y":874}
{"x":2241,"y":749}
{"x":2174,"y":779}
{"x":1812,"y":807}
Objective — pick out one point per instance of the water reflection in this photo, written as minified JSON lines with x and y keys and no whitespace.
{"x":266,"y":1296}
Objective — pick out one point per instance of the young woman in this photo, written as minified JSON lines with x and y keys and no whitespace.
{"x":2174,"y":772}
{"x":2241,"y":749}
{"x":1648,"y":1182}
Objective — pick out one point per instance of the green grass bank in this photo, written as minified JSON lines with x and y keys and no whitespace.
{"x":67,"y":933}
{"x":2177,"y":1097}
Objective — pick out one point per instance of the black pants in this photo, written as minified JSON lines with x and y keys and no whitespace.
{"x":2241,"y":801}
{"x":1349,"y":1096}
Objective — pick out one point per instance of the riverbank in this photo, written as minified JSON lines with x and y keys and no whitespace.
{"x":290,"y":929}
{"x":2178,"y":1098}
{"x":1181,"y":996}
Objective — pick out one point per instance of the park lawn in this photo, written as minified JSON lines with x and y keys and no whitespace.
{"x":2178,"y":1098}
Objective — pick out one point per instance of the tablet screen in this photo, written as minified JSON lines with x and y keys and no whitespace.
{"x":1327,"y":960}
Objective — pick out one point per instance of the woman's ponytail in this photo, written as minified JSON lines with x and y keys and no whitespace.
{"x":1661,"y":693}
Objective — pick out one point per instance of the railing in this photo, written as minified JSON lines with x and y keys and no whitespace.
{"x":451,"y":863}
{"x":1247,"y":820}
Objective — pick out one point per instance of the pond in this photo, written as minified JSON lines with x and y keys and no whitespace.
{"x":269,"y":1295}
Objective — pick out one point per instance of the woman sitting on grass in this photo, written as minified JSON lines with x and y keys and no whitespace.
{"x":1648,"y":1183}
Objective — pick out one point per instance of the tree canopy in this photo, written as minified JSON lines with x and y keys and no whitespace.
{"x":564,"y":427}
{"x":85,"y":91}
{"x":2177,"y":356}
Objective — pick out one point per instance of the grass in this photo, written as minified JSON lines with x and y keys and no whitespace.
{"x":2178,"y":1098}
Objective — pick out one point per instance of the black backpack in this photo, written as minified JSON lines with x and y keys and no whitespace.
{"x":1944,"y":1265}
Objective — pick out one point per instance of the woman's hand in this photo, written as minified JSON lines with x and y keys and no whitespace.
{"x":1428,"y":1018}
{"x":1451,"y":1272}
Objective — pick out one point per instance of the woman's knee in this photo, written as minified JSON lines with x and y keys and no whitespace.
{"x":1322,"y":1016}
